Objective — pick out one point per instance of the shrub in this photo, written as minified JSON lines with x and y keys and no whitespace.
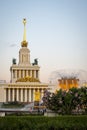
{"x":67,"y":102}
{"x":44,"y":123}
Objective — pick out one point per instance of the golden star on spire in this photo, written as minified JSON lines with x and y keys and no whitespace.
{"x":24,"y":21}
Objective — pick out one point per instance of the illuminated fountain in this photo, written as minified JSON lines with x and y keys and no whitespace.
{"x":66,"y":79}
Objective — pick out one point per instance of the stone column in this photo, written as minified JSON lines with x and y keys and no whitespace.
{"x":25,"y":95}
{"x":29,"y":95}
{"x":33,"y":95}
{"x":21,"y":95}
{"x":17,"y":93}
{"x":13,"y":94}
{"x":9,"y":94}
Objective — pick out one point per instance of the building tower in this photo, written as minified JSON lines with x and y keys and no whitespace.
{"x":24,"y":69}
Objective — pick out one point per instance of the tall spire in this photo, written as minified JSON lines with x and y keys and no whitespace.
{"x":24,"y":42}
{"x":24,"y":37}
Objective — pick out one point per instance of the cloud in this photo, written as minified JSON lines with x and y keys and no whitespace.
{"x":13,"y":45}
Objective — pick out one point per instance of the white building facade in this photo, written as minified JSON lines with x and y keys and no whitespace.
{"x":25,"y":85}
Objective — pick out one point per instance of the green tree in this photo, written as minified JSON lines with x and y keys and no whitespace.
{"x":65,"y":102}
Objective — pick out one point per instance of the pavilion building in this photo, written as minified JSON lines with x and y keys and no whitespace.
{"x":25,"y":85}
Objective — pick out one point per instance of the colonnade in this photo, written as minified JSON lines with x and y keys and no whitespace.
{"x":15,"y":74}
{"x":24,"y":73}
{"x":22,"y":94}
